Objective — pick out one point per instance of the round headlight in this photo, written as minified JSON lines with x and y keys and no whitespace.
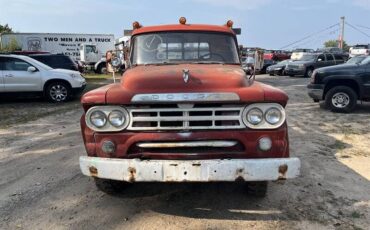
{"x":273,"y":116}
{"x":98,"y":118}
{"x":116,"y":118}
{"x":254,"y":116}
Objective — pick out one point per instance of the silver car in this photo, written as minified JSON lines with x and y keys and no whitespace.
{"x":23,"y":74}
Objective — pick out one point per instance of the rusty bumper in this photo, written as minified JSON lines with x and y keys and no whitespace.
{"x":190,"y":170}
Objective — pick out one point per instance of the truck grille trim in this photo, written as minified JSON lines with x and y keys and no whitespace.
{"x":142,"y":119}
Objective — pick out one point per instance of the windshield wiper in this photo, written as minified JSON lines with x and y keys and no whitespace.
{"x":208,"y":62}
{"x":162,"y":63}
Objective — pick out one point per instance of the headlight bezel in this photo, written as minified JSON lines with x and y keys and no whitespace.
{"x":264,"y":107}
{"x":107,"y":110}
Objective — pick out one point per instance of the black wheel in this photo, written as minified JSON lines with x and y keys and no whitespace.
{"x":342,"y":99}
{"x":257,"y":188}
{"x":58,"y":91}
{"x":291,"y":75}
{"x":316,"y":100}
{"x":111,"y":187}
{"x":102,"y":68}
{"x":271,"y":74}
{"x":308,"y":72}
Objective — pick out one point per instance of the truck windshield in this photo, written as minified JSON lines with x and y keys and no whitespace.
{"x":184,"y":47}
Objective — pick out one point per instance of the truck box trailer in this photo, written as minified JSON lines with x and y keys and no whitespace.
{"x":90,"y":49}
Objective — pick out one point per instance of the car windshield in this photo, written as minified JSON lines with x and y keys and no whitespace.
{"x":356,"y":60}
{"x":309,"y":57}
{"x":184,"y":47}
{"x":283,"y":62}
{"x":366,"y":60}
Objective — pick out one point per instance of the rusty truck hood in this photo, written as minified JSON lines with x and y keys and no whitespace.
{"x":202,"y":78}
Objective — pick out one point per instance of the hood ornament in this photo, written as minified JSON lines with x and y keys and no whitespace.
{"x":185,"y":75}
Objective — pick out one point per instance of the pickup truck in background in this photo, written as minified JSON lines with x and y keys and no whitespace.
{"x":341,"y":86}
{"x":359,"y":50}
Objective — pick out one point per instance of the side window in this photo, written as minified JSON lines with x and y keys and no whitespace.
{"x":2,"y":60}
{"x":322,"y":57}
{"x":15,"y":64}
{"x":339,"y":57}
{"x":329,"y":57}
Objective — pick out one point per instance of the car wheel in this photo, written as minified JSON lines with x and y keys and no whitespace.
{"x":111,"y":187}
{"x":58,"y":92}
{"x":102,"y":69}
{"x":257,"y":188}
{"x":271,"y":74}
{"x":291,"y":75}
{"x":308,"y":72}
{"x":341,"y":99}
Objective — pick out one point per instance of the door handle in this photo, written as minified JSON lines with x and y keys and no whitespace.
{"x":9,"y":75}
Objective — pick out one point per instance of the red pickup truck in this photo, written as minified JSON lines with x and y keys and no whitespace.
{"x":276,"y":55}
{"x":185,"y":111}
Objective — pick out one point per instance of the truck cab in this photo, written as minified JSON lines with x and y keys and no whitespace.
{"x":185,"y":111}
{"x":92,"y":58}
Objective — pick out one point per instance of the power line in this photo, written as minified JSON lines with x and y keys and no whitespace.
{"x":358,"y":30}
{"x":309,"y":36}
{"x":363,"y":27}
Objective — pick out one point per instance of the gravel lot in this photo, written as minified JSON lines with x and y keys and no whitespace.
{"x":41,"y":186}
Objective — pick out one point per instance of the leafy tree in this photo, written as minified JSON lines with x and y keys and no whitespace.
{"x":335,"y":43}
{"x":5,"y":29}
{"x":12,"y":45}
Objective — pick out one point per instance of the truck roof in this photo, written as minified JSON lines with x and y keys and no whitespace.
{"x":186,"y":27}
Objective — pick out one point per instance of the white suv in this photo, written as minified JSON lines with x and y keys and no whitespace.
{"x":359,"y":50}
{"x":23,"y":74}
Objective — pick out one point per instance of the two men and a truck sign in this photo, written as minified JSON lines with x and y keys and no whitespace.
{"x":90,"y":49}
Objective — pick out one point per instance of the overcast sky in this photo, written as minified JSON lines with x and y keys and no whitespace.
{"x":264,"y":23}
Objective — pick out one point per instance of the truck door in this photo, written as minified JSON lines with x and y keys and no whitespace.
{"x":17,"y":78}
{"x":329,"y":60}
{"x":1,"y":75}
{"x":366,"y":82}
{"x":321,"y":61}
{"x":91,"y":54}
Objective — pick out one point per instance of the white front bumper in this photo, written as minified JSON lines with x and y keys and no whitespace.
{"x":190,"y":170}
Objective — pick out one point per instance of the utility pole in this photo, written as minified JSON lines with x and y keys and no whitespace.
{"x":341,"y":38}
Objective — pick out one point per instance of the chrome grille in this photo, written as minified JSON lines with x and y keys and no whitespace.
{"x":185,"y":118}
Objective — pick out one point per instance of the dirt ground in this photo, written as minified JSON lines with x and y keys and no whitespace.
{"x":41,"y":186}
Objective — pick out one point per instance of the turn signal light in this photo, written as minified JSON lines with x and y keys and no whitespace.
{"x":229,"y":23}
{"x":182,"y":20}
{"x":136,"y":25}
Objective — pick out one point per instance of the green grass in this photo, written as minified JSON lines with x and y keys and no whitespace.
{"x":100,"y":76}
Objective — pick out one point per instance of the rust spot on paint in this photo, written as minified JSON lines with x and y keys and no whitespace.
{"x":93,"y":171}
{"x":282,"y":171}
{"x":132,"y":172}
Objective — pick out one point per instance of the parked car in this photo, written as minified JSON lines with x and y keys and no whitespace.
{"x":275,"y":55}
{"x":266,"y":64}
{"x":57,"y":61}
{"x":186,"y":115}
{"x":341,"y":86}
{"x":278,"y":68}
{"x":23,"y":74}
{"x":298,"y":53}
{"x":363,"y":49}
{"x":333,"y":50}
{"x":309,"y":62}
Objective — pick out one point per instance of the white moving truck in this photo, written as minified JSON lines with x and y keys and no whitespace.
{"x":90,"y":49}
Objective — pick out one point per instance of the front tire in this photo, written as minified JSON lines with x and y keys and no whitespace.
{"x":111,"y":187}
{"x":341,"y":99}
{"x":58,"y":92}
{"x":257,"y":188}
{"x":309,"y":72}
